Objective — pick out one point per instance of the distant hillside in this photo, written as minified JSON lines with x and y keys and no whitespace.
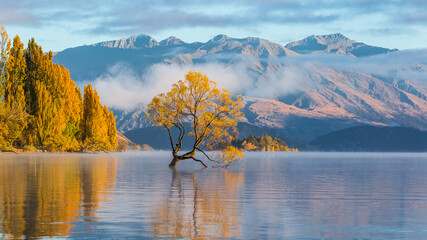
{"x":158,"y":138}
{"x":373,"y":139}
{"x":247,"y":129}
{"x":263,"y":143}
{"x":126,"y":144}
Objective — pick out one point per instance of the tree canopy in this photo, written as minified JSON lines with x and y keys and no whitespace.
{"x":42,"y":108}
{"x":213,"y":115}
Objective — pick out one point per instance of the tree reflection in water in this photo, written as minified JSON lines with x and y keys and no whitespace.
{"x":198,"y":206}
{"x":43,"y":194}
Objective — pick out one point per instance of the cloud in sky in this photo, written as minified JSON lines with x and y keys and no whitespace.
{"x":241,"y":12}
{"x":14,"y":16}
{"x":272,"y":19}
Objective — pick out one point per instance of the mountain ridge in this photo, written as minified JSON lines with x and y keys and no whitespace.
{"x":331,"y":43}
{"x":335,"y":43}
{"x":322,"y":98}
{"x":132,"y":42}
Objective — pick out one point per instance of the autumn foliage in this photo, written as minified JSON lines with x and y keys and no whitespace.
{"x":263,"y":143}
{"x":42,"y":108}
{"x":213,"y":115}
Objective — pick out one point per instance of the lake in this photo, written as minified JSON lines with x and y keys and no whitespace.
{"x":266,"y":196}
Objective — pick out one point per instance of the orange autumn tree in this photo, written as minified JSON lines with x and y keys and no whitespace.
{"x":212,"y":113}
{"x":41,"y":107}
{"x":4,"y":55}
{"x":98,"y":123}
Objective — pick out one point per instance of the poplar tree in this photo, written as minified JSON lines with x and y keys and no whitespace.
{"x":4,"y":54}
{"x":72,"y":109}
{"x":97,"y":132}
{"x":39,"y":98}
{"x":4,"y":51}
{"x":41,"y":106}
{"x":111,"y":125}
{"x":15,"y":74}
{"x":14,"y":97}
{"x":55,"y":102}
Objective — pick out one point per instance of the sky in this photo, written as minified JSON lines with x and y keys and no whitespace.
{"x":61,"y":24}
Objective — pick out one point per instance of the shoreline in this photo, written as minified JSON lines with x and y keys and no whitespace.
{"x":47,"y":152}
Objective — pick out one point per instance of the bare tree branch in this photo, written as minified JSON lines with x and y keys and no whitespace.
{"x":200,"y":161}
{"x":170,"y":137}
{"x":207,"y":156}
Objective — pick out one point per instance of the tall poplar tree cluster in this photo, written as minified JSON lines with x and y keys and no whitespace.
{"x":42,"y":107}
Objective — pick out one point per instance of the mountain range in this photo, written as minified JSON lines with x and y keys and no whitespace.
{"x":292,"y":88}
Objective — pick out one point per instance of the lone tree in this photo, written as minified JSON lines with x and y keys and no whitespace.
{"x":212,"y":113}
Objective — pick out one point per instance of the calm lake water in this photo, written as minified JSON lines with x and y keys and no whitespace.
{"x":267,"y":196}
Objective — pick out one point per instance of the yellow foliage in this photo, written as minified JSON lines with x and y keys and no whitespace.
{"x":99,"y":131}
{"x":248,"y":146}
{"x":263,"y":143}
{"x":41,"y":106}
{"x":212,"y":113}
{"x":230,"y":154}
{"x":4,"y":53}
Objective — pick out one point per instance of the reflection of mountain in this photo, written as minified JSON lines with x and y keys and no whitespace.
{"x":41,"y":196}
{"x":196,"y":208}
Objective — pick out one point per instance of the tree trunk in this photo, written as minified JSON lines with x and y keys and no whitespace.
{"x":173,"y":163}
{"x":188,"y":155}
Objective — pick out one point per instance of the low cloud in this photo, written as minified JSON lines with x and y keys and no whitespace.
{"x":123,"y":88}
{"x":406,"y":64}
{"x":119,"y":88}
{"x":286,"y":79}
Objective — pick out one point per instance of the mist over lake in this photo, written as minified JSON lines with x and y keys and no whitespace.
{"x":267,"y":195}
{"x":213,"y":119}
